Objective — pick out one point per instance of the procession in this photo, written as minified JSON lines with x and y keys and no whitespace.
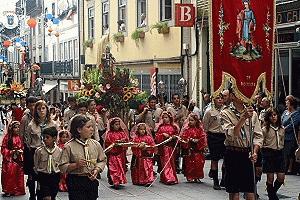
{"x":87,"y":113}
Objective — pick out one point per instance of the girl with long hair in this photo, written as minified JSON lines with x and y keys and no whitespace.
{"x":41,"y":120}
{"x":272,"y":152}
{"x":12,"y":174}
{"x":117,"y":133}
{"x":194,"y":143}
{"x":167,"y":129}
{"x":142,"y":158}
{"x":83,"y":159}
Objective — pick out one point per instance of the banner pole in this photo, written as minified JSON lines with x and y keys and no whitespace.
{"x":252,"y":151}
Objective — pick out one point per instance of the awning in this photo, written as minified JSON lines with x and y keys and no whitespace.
{"x":49,"y":86}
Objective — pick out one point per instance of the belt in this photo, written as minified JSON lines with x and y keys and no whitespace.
{"x":238,"y":149}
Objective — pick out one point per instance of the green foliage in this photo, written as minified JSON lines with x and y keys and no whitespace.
{"x":137,"y":34}
{"x":162,"y":27}
{"x":118,"y":37}
{"x":89,"y":43}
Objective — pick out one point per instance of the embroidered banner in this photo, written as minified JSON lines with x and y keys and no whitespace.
{"x":241,"y":46}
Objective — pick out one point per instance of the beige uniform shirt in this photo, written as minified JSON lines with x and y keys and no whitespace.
{"x":74,"y":151}
{"x":34,"y":133}
{"x":274,"y":138}
{"x":42,"y":162}
{"x":179,"y":113}
{"x":229,"y":119}
{"x":150,"y":117}
{"x":26,"y":119}
{"x":212,"y":121}
{"x":68,"y":114}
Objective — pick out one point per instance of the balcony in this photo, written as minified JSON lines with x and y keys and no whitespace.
{"x":60,"y":69}
{"x":34,"y":7}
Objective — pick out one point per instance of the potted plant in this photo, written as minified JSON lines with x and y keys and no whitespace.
{"x":118,"y":37}
{"x":137,"y":34}
{"x":89,"y":43}
{"x":162,"y":27}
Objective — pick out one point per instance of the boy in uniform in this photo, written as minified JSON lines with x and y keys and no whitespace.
{"x":46,"y":160}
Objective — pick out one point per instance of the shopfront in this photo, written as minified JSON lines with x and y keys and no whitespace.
{"x":287,"y":54}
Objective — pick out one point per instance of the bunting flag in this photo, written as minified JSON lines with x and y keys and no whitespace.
{"x":241,"y":46}
{"x":153,"y":80}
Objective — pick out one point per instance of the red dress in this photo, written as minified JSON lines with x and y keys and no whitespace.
{"x":168,"y":175}
{"x":142,"y":162}
{"x":116,"y":158}
{"x":12,"y":175}
{"x":193,"y":159}
{"x":63,"y":176}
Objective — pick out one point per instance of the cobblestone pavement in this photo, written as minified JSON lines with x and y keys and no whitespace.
{"x":182,"y":191}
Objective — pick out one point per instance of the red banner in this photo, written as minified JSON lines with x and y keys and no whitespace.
{"x":184,"y":15}
{"x":241,"y":46}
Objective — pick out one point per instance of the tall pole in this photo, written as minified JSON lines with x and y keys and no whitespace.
{"x":252,"y":151}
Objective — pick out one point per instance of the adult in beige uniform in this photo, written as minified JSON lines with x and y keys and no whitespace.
{"x":215,"y":139}
{"x":180,"y":113}
{"x":151,"y":113}
{"x":82,"y":110}
{"x":235,"y":120}
{"x":41,"y":120}
{"x":272,"y":152}
{"x":178,"y":110}
{"x":70,"y":111}
{"x":26,"y":119}
{"x":82,"y":158}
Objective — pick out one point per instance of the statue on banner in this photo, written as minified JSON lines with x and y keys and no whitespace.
{"x":245,"y":49}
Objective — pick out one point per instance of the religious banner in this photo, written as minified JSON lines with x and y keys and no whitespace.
{"x":241,"y":46}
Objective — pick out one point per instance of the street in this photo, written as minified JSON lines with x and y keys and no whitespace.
{"x":182,"y":191}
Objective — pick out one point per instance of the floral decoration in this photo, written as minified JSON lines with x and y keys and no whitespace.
{"x":267,"y":29}
{"x":223,"y":26}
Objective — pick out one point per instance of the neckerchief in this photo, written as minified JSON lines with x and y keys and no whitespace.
{"x":86,"y":150}
{"x":50,"y":158}
{"x":238,"y":115}
{"x":276,"y":134}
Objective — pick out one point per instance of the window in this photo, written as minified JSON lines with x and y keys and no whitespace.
{"x":105,"y":17}
{"x":122,"y":16}
{"x":170,"y":80}
{"x":66,"y":51}
{"x":70,"y":50}
{"x":76,"y":49}
{"x":141,"y":13}
{"x":91,"y":27}
{"x":61,"y":48}
{"x":54,"y":52}
{"x":53,"y":9}
{"x":39,"y":26}
{"x":165,"y":10}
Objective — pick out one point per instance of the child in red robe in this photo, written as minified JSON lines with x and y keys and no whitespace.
{"x":64,"y":136}
{"x":167,"y":129}
{"x":116,"y":157}
{"x":142,"y":159}
{"x":12,"y":174}
{"x":193,"y":144}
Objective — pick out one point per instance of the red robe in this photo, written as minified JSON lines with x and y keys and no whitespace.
{"x":168,"y":175}
{"x":116,"y":158}
{"x":12,"y":175}
{"x":63,"y":176}
{"x":193,"y":160}
{"x":142,"y":162}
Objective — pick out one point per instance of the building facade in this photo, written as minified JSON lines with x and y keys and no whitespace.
{"x":106,"y":19}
